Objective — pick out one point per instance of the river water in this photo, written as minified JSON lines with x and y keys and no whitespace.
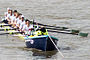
{"x":69,"y":13}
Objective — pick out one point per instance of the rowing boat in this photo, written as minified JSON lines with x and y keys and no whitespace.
{"x":42,"y":42}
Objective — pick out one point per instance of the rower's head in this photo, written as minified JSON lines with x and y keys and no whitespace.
{"x":26,"y":21}
{"x":17,"y":15}
{"x":14,"y":12}
{"x":8,"y":10}
{"x":22,"y":18}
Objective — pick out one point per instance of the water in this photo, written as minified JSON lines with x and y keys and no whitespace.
{"x":70,"y":13}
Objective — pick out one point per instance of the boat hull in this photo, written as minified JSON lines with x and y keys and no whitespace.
{"x":41,"y":42}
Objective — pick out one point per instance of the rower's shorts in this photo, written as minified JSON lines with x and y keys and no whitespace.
{"x":5,"y":21}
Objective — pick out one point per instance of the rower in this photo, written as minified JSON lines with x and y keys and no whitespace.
{"x":19,"y":21}
{"x":15,"y":11}
{"x":7,"y":14}
{"x":13,"y":16}
{"x":9,"y":17}
{"x":22,"y":23}
{"x":16,"y":19}
{"x":28,"y":28}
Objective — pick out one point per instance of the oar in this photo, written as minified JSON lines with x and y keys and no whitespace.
{"x":41,"y":25}
{"x":50,"y":26}
{"x":7,"y":29}
{"x":80,"y":34}
{"x":2,"y":25}
{"x":72,"y":30}
{"x":54,"y":29}
{"x":56,"y":46}
{"x":38,"y":24}
{"x":10,"y":33}
{"x":58,"y":28}
{"x":62,"y":32}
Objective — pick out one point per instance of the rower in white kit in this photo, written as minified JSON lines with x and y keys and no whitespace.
{"x":28,"y":28}
{"x":22,"y":23}
{"x":7,"y":16}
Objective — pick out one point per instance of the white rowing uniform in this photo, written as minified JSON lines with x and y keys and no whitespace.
{"x":26,"y":28}
{"x":7,"y":16}
{"x":22,"y":23}
{"x":12,"y":18}
{"x":16,"y":20}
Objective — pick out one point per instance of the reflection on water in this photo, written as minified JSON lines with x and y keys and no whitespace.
{"x":39,"y":53}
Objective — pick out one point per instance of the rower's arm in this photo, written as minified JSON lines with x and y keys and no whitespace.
{"x":18,"y":24}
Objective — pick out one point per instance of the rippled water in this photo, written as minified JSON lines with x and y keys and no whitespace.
{"x":71,"y":13}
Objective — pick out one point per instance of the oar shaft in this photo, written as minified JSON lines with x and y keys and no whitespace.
{"x":50,"y":25}
{"x":56,"y":46}
{"x":63,"y":32}
{"x":10,"y":33}
{"x":2,"y":25}
{"x":7,"y":29}
{"x":60,"y":29}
